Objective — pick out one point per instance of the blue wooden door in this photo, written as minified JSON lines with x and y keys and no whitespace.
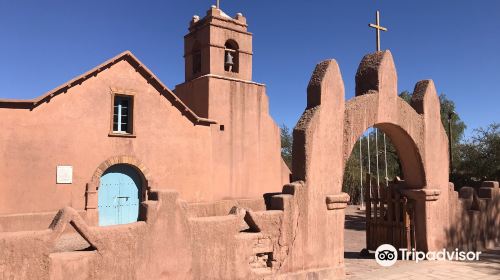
{"x":119,"y":195}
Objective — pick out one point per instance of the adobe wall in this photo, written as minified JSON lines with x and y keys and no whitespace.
{"x":29,"y":221}
{"x":251,"y":241}
{"x":72,"y":129}
{"x":118,"y":251}
{"x":241,"y":244}
{"x":250,"y":141}
{"x":316,"y":148}
{"x":475,"y":217}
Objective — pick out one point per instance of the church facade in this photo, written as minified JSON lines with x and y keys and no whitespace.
{"x":99,"y":142}
{"x":114,"y":176}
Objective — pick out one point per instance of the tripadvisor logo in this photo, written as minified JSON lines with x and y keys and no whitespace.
{"x":386,"y":255}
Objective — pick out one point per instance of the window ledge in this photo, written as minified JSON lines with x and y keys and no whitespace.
{"x":118,"y":134}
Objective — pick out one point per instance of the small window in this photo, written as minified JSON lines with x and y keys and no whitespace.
{"x":122,"y":114}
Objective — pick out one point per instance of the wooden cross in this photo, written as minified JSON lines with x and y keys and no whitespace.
{"x":378,"y":28}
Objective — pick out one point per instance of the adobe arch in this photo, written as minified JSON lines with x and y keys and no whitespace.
{"x":407,"y":150}
{"x":329,"y":127}
{"x":400,"y":126}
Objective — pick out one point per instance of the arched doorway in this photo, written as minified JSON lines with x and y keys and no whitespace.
{"x":119,"y":195}
{"x":383,"y":165}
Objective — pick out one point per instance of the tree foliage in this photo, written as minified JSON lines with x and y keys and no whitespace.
{"x":286,"y":145}
{"x":447,"y":105}
{"x":479,"y":157}
{"x":457,"y":126}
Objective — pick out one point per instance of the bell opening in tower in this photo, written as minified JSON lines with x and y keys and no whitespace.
{"x":231,"y":57}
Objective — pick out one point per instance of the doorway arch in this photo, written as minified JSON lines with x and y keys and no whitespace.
{"x":119,"y":195}
{"x":93,"y":186}
{"x":402,"y":130}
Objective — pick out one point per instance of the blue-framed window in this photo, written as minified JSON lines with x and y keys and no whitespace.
{"x":122,"y":114}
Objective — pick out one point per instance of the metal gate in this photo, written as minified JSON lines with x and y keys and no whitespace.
{"x":390,"y":216}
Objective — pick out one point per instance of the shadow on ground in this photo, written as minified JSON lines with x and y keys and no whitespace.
{"x":489,"y":260}
{"x":492,"y":256}
{"x":358,"y":256}
{"x":355,"y":221}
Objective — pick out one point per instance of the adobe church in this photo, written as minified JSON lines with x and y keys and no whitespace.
{"x":99,"y":142}
{"x":114,"y":176}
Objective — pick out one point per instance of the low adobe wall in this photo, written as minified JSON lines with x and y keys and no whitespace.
{"x":174,"y":240}
{"x":475,"y":219}
{"x":29,"y":221}
{"x":223,"y":207}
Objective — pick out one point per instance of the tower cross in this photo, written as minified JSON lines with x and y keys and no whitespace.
{"x":378,"y":28}
{"x":218,"y":4}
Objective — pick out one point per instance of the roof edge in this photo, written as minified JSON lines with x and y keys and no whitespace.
{"x":134,"y":62}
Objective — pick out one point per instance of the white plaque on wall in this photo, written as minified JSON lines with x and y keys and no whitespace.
{"x":64,"y":174}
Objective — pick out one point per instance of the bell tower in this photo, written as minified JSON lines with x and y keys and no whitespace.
{"x":218,"y":85}
{"x":218,"y":45}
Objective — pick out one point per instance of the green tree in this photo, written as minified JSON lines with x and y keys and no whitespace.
{"x":479,"y":157}
{"x":406,"y":96}
{"x":447,"y":105}
{"x":286,"y":145}
{"x":457,"y":126}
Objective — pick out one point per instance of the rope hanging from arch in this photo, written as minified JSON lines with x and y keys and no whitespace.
{"x":361,"y":171}
{"x":385,"y":161}
{"x":376,"y":156}
{"x":386,"y":179}
{"x":369,"y":164}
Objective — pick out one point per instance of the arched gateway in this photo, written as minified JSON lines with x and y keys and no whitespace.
{"x":328,"y":129}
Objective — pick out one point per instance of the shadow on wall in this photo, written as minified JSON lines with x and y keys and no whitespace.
{"x":474,"y":217}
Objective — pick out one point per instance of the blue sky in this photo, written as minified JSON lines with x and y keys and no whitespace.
{"x":45,"y":43}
